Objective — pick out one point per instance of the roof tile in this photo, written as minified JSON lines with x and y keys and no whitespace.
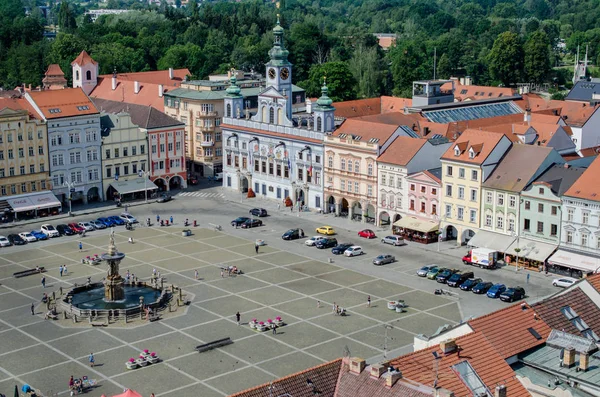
{"x":402,"y":150}
{"x":69,"y":102}
{"x":474,"y":138}
{"x":587,"y":186}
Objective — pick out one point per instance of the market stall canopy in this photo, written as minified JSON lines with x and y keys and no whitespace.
{"x":494,"y":241}
{"x":575,"y":261}
{"x":33,"y":201}
{"x":417,"y":224}
{"x":532,"y":249}
{"x":129,"y":393}
{"x":133,"y":185}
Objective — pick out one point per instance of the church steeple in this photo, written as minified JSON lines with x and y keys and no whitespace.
{"x":279,"y":71}
{"x":234,"y":100}
{"x":278,"y":53}
{"x":323,"y":112}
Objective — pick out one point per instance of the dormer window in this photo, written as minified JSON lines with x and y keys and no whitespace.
{"x":471,"y":153}
{"x":456,"y":151}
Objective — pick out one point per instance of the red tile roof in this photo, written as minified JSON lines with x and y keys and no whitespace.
{"x":420,"y":366}
{"x":549,"y":310}
{"x":10,"y":103}
{"x":370,"y":106}
{"x":54,"y":70}
{"x":512,"y":337}
{"x":396,"y":118}
{"x":69,"y":101}
{"x":483,"y":142}
{"x":394,"y":104}
{"x":587,"y":186}
{"x":476,"y":92}
{"x":366,"y":130}
{"x":386,"y":42}
{"x":402,"y":150}
{"x":153,"y":77}
{"x":594,"y":281}
{"x":324,"y":378}
{"x":83,"y":59}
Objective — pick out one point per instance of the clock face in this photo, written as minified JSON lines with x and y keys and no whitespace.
{"x":285,"y":73}
{"x":272,"y":73}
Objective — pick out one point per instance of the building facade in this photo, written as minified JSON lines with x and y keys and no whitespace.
{"x":74,"y":142}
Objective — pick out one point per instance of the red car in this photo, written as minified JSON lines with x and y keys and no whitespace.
{"x":367,"y":233}
{"x":76,"y":228}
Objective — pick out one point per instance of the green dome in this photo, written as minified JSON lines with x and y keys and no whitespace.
{"x":233,"y":89}
{"x":278,"y":53}
{"x":324,"y":100}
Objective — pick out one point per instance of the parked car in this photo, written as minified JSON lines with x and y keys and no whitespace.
{"x":4,"y":242}
{"x":251,"y":223}
{"x":327,"y":242}
{"x":383,"y":259}
{"x":355,"y":250}
{"x":422,"y":272}
{"x":468,"y":285}
{"x":496,"y":291}
{"x":564,"y":282}
{"x":512,"y":294}
{"x":88,"y":227}
{"x":76,"y":228}
{"x":163,"y":198}
{"x":117,"y":220}
{"x":482,"y":288}
{"x":458,"y":278}
{"x":65,"y":230}
{"x":367,"y":233}
{"x":433,"y":272}
{"x":292,"y":234}
{"x":443,"y":276}
{"x":15,"y":239}
{"x":239,"y":220}
{"x":341,"y":248}
{"x":39,"y":235}
{"x":49,"y":230}
{"x":97,"y":224}
{"x":260,"y":212}
{"x":127,"y":217}
{"x":393,"y":240}
{"x":219,"y":176}
{"x":326,"y":230}
{"x":313,"y":240}
{"x":30,"y":238}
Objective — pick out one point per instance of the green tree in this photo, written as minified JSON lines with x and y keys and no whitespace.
{"x":183,"y":56}
{"x":366,"y":68}
{"x":64,"y":50}
{"x":410,"y":61}
{"x":66,"y":19}
{"x":340,"y":81}
{"x":505,"y":60}
{"x":193,"y":10}
{"x":444,"y":68}
{"x":537,"y":57}
{"x":116,"y":55}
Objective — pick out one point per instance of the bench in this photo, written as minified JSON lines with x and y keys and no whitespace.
{"x":154,"y":317}
{"x":214,"y":345}
{"x":29,"y":272}
{"x":99,"y":323}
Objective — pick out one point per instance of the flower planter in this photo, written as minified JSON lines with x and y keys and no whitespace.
{"x":392,"y":305}
{"x":131,"y":364}
{"x":152,"y":358}
{"x":141,"y":362}
{"x":400,"y":309}
{"x":278,"y":323}
{"x":253,"y":324}
{"x":261,"y":327}
{"x":260,"y":242}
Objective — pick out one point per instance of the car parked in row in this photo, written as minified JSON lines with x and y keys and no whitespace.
{"x":39,"y":235}
{"x":496,"y":290}
{"x":97,"y":224}
{"x":292,"y":234}
{"x":367,"y":233}
{"x":117,"y":220}
{"x":384,"y":259}
{"x":470,"y":283}
{"x":30,"y":238}
{"x":422,"y":272}
{"x":76,"y":228}
{"x":239,"y":220}
{"x":458,"y":278}
{"x":4,"y":242}
{"x":15,"y":239}
{"x":444,"y":275}
{"x":107,"y":222}
{"x":393,"y":240}
{"x":64,"y":230}
{"x":128,"y":218}
{"x":434,"y":271}
{"x":326,"y":230}
{"x":260,"y":212}
{"x":482,"y":287}
{"x":313,"y":240}
{"x":564,"y":282}
{"x":341,"y":248}
{"x":512,"y":294}
{"x":88,"y":227}
{"x":355,"y":250}
{"x":49,"y":230}
{"x":250,"y":223}
{"x":326,"y":242}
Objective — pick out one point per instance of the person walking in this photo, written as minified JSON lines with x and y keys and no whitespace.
{"x":334,"y":307}
{"x":91,"y":359}
{"x":318,"y":304}
{"x":65,"y":270}
{"x":196,"y":274}
{"x":278,"y":206}
{"x":32,"y":309}
{"x":256,"y":247}
{"x":157,"y":218}
{"x":80,"y":246}
{"x":171,"y":219}
{"x":44,"y":281}
{"x":369,"y":301}
{"x":237,"y":317}
{"x":60,"y":270}
{"x":274,"y":326}
{"x":222,"y":275}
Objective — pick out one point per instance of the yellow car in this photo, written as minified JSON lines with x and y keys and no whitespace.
{"x":327,"y":230}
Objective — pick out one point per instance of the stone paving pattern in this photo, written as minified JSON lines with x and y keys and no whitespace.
{"x":45,"y":354}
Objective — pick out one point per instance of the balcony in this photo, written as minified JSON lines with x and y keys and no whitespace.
{"x":213,"y":113}
{"x":206,"y":129}
{"x":207,"y":143}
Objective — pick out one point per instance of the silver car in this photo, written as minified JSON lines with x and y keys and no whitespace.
{"x":383,"y":259}
{"x":393,"y":240}
{"x":422,"y":272}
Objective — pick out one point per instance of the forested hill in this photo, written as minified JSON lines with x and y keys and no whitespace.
{"x":494,"y":42}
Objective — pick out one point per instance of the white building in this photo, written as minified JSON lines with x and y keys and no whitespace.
{"x":274,"y":154}
{"x":74,"y":142}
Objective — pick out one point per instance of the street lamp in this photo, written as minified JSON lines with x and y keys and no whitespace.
{"x":71,"y":186}
{"x":517,"y":250}
{"x":145,"y":175}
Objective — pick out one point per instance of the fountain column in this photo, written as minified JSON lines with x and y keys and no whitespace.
{"x":114,"y":283}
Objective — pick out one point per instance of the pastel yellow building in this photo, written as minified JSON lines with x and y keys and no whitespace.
{"x":465,"y":166}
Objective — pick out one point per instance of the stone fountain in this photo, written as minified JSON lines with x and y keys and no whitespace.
{"x":114,"y":285}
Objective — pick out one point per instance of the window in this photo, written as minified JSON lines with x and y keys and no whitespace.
{"x":73,"y":137}
{"x":541,"y":190}
{"x":553,"y":230}
{"x":511,"y":225}
{"x":540,"y":227}
{"x":343,"y":185}
{"x":11,"y":171}
{"x":9,"y":137}
{"x":124,"y":152}
{"x":108,"y":172}
{"x":356,"y":187}
{"x":584,"y":239}
{"x":330,"y":161}
{"x":271,"y":168}
{"x":13,"y":189}
{"x":217,"y":137}
{"x":412,"y":205}
{"x":448,"y":210}
{"x":527,"y":204}
{"x":11,"y":154}
{"x":489,"y":197}
{"x":33,"y":187}
{"x":488,"y":220}
{"x":527,"y":224}
{"x":30,"y":135}
{"x":263,"y":166}
{"x":448,"y":190}
{"x":500,"y":222}
{"x":554,"y":210}
{"x":134,"y":169}
{"x":472,"y":216}
{"x":569,"y":237}
{"x":3,"y":191}
{"x":2,"y":173}
{"x":473,"y":194}
{"x":40,"y":150}
{"x":541,"y":208}
{"x":474,"y":175}
{"x":512,"y":201}
{"x":449,"y":170}
{"x":423,"y":189}
{"x":350,"y":165}
{"x":153,"y":149}
{"x":162,"y":147}
{"x":585,"y":217}
{"x":22,"y":170}
{"x":391,"y":182}
{"x":21,"y":153}
{"x":75,"y":157}
{"x":126,"y":169}
{"x":32,"y":169}
{"x":90,"y":136}
{"x":412,"y":187}
{"x":434,"y":209}
{"x":399,"y":202}
{"x":422,"y":207}
{"x":370,"y":170}
{"x":461,"y":213}
{"x":434,"y":191}
{"x":278,"y":169}
{"x":570,"y":213}
{"x":356,"y":166}
{"x":461,"y":173}
{"x":317,"y":159}
{"x":142,"y":149}
{"x":500,"y":199}
{"x":31,"y":152}
{"x":1,"y":154}
{"x":383,"y":179}
{"x":399,"y":183}
{"x":20,"y":137}
{"x":369,"y":190}
{"x":42,"y":168}
{"x":461,"y":192}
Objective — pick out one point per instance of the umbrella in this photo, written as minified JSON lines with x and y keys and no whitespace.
{"x":26,"y":388}
{"x":16,"y":391}
{"x":129,"y":393}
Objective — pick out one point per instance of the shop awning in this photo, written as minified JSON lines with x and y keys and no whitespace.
{"x":574,"y":261}
{"x":417,"y":224}
{"x":133,"y":185}
{"x":33,"y":201}
{"x":490,"y":240}
{"x":532,"y":249}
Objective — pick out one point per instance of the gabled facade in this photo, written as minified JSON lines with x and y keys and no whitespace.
{"x":424,"y":193}
{"x":85,"y":72}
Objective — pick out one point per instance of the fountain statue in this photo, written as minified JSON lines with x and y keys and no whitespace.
{"x":114,"y":284}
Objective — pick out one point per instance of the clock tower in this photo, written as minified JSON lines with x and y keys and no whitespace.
{"x":279,"y":69}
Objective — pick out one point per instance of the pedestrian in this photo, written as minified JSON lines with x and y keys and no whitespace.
{"x":65,"y":270}
{"x":274,"y":326}
{"x":369,"y":301}
{"x":196,"y":274}
{"x":171,"y":219}
{"x":91,"y":359}
{"x":318,"y":304}
{"x":256,"y":247}
{"x":80,"y":246}
{"x":32,"y":309}
{"x":237,"y":317}
{"x":126,"y":207}
{"x":292,"y":208}
{"x":334,"y":307}
{"x":157,"y":218}
{"x":44,"y":281}
{"x":127,"y":274}
{"x":60,"y":270}
{"x":222,"y":273}
{"x":154,"y":272}
{"x":278,"y":206}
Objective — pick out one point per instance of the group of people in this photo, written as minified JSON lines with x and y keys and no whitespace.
{"x":338,"y":311}
{"x":230,"y":270}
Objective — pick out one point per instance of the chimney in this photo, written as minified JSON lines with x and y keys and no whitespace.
{"x":377,"y":370}
{"x":136,"y":87}
{"x":448,"y":346}
{"x":569,"y":357}
{"x":527,"y":116}
{"x":171,"y":74}
{"x":584,"y":362}
{"x":500,"y":391}
{"x":566,"y":165}
{"x":357,"y":365}
{"x":114,"y":82}
{"x":391,"y":377}
{"x":161,"y":90}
